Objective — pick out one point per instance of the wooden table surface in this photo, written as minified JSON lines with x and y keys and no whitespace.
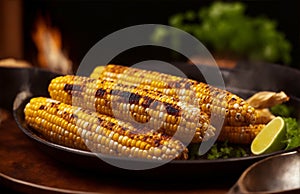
{"x":24,"y":168}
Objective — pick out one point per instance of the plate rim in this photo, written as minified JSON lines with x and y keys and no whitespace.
{"x":18,"y":115}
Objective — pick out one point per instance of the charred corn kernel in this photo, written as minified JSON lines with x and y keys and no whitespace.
{"x":240,"y":134}
{"x":212,"y":100}
{"x":111,"y":136}
{"x":156,"y":110}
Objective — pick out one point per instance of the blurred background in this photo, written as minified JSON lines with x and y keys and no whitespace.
{"x":251,"y":30}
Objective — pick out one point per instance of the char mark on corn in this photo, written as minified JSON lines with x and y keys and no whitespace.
{"x":133,"y":104}
{"x":240,"y":134}
{"x":212,"y":100}
{"x":82,"y":129}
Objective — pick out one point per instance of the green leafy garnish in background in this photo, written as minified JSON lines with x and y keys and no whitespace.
{"x":226,"y":30}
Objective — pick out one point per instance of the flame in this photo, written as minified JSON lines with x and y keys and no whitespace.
{"x":49,"y":45}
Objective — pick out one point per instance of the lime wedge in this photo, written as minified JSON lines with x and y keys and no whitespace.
{"x":270,"y":138}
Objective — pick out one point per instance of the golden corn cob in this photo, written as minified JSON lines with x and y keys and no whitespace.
{"x":82,"y":129}
{"x":212,"y":100}
{"x":240,"y":134}
{"x":131,"y":104}
{"x":151,"y":80}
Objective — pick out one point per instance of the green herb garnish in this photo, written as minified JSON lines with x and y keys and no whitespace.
{"x":218,"y":151}
{"x":224,"y":150}
{"x":291,"y":125}
{"x":282,"y":110}
{"x":292,"y":133}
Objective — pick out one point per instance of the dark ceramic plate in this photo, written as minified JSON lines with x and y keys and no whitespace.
{"x":213,"y":168}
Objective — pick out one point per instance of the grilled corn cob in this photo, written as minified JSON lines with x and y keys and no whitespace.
{"x":212,"y":100}
{"x":153,"y":109}
{"x":79,"y":128}
{"x":240,"y":134}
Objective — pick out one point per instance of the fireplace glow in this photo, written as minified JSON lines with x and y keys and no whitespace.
{"x":48,"y":41}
